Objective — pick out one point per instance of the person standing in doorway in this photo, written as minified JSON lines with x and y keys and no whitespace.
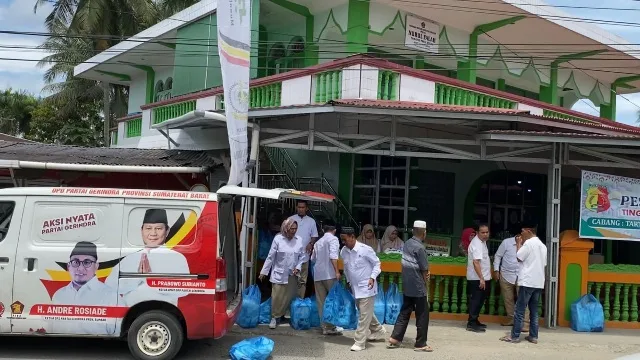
{"x":285,"y":260}
{"x":505,"y":271}
{"x":478,"y":277}
{"x":362,"y":267}
{"x":532,"y":253}
{"x":415,"y":277}
{"x":308,"y":232}
{"x":325,"y":271}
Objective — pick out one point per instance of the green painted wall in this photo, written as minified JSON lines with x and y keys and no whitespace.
{"x":193,"y":50}
{"x":572,"y":287}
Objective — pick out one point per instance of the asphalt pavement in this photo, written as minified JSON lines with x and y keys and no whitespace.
{"x":449,"y":339}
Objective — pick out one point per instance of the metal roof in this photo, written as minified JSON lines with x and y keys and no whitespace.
{"x":46,"y":153}
{"x":411,"y":105}
{"x":562,"y":134}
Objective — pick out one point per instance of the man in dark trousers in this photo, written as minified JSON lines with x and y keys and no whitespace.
{"x":415,"y":277}
{"x":478,"y":277}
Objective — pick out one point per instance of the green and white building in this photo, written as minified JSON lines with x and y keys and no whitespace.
{"x":449,"y":112}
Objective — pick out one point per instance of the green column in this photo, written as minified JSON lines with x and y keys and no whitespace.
{"x":501,"y":85}
{"x":609,"y":111}
{"x":254,"y":59}
{"x":551,"y":97}
{"x":358,"y":26}
{"x":467,"y":69}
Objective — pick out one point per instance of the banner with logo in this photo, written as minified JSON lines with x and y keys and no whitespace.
{"x":234,"y":48}
{"x":609,"y":207}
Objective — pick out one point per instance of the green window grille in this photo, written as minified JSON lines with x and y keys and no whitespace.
{"x":328,"y":86}
{"x":388,"y":82}
{"x":451,"y":95}
{"x":133,"y":127}
{"x":114,"y":137}
{"x":170,"y":111}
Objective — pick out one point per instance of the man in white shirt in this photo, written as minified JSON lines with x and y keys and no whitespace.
{"x":84,"y":290}
{"x":362,"y":267}
{"x":308,"y":232}
{"x":532,"y":253}
{"x":505,"y":271}
{"x":478,"y":277}
{"x":325,"y":271}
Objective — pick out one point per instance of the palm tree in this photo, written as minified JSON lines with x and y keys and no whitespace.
{"x":81,"y":28}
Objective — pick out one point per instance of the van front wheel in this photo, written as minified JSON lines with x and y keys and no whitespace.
{"x":155,"y":335}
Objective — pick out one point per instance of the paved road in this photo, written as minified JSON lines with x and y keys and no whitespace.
{"x":449,"y":339}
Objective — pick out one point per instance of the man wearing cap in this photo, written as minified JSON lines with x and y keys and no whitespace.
{"x":362,"y":267}
{"x":154,"y":257}
{"x":415,"y":277}
{"x":84,"y":289}
{"x":532,"y":254}
{"x":325,"y":271}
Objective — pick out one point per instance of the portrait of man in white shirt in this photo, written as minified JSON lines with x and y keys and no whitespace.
{"x":84,"y":289}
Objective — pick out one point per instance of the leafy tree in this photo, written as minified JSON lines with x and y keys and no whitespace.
{"x":83,"y":128}
{"x":15,"y":111}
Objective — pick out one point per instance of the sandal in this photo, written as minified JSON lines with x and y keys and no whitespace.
{"x":424,"y":349}
{"x":509,"y":339}
{"x":531,"y":339}
{"x":391,"y":345}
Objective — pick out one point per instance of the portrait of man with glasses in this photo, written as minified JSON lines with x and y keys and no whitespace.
{"x":84,"y":289}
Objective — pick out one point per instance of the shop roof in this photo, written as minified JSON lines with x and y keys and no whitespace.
{"x":412,"y":105}
{"x":64,"y":154}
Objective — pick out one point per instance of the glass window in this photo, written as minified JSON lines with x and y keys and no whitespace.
{"x":6,"y":213}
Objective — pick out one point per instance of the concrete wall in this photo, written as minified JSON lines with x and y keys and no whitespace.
{"x":137,"y":93}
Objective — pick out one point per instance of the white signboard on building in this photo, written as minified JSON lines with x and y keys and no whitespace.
{"x":422,"y":34}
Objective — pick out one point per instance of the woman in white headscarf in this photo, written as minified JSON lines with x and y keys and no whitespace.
{"x":285,"y":259}
{"x":391,"y":240}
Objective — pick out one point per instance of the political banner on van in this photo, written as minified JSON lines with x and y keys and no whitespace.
{"x":234,"y":47}
{"x":98,"y":261}
{"x":609,"y":207}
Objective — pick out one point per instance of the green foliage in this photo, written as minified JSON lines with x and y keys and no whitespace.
{"x":83,"y":128}
{"x":15,"y":111}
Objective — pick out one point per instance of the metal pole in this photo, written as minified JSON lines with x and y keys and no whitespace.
{"x":553,"y":233}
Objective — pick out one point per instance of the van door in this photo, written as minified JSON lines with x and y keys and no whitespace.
{"x":11,"y":209}
{"x":162,"y":252}
{"x":68,"y":247}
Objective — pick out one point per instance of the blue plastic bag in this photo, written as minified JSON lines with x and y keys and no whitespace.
{"x":301,"y":314}
{"x":250,"y":310}
{"x":315,"y":317}
{"x":393,"y":299}
{"x":587,"y":315}
{"x":257,"y":348}
{"x":340,"y":308}
{"x":264,"y":244}
{"x":265,"y":312}
{"x":380,"y":305}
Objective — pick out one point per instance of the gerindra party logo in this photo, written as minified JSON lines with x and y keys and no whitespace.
{"x":597,"y":199}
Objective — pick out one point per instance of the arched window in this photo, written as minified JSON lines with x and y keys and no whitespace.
{"x":276,"y":53}
{"x":296,"y":45}
{"x":168,"y":85}
{"x":159,"y":86}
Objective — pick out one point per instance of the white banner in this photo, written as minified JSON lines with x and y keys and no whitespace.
{"x":422,"y":34}
{"x":234,"y":48}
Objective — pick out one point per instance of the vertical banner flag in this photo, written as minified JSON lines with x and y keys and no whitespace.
{"x":234,"y":48}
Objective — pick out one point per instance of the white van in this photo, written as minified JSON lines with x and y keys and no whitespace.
{"x":153,"y":267}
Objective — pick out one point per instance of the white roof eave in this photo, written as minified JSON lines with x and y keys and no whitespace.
{"x":194,"y":12}
{"x":593,"y":32}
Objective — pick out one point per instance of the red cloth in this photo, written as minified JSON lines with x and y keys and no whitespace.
{"x":465,"y":239}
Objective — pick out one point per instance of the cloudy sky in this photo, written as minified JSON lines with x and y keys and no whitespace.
{"x":18,"y":15}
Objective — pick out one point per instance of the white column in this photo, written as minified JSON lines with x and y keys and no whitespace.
{"x":554,"y":189}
